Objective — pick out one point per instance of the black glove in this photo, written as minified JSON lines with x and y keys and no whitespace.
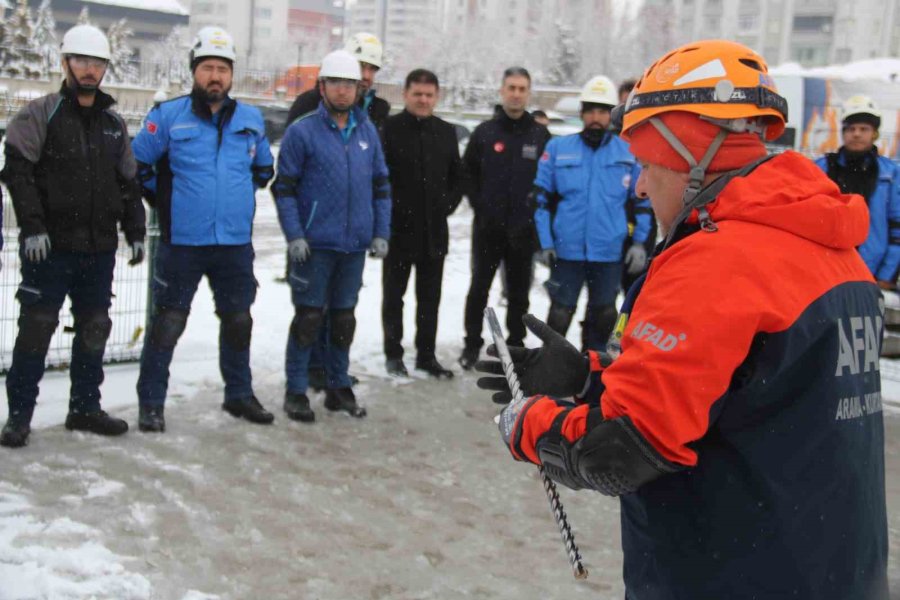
{"x":555,"y":369}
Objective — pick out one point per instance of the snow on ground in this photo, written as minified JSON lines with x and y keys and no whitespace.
{"x":417,"y":501}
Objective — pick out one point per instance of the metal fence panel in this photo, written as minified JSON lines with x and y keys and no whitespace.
{"x":128,"y":311}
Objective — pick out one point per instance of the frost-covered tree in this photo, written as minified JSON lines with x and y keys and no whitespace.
{"x":565,"y":56}
{"x":22,"y":58}
{"x":169,"y":56}
{"x":45,"y":38}
{"x":121,"y":68}
{"x":84,"y":17}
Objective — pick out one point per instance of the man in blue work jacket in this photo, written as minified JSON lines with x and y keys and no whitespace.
{"x":583,"y":185}
{"x":857,"y":168}
{"x":201,"y":159}
{"x":334,"y":202}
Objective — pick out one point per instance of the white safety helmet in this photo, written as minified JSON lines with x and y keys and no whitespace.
{"x":600,"y":90}
{"x":85,"y":40}
{"x":366,"y":48}
{"x":861,"y":109}
{"x":212,"y":42}
{"x":340,"y":64}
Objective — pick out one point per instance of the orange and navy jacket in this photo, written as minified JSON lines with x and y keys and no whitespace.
{"x":751,"y":359}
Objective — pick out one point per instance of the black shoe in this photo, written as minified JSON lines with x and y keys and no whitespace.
{"x":434,"y":368}
{"x":296,"y":406}
{"x":469,"y":357}
{"x":318,"y":380}
{"x":396,"y":368}
{"x":14,"y":435}
{"x":95,"y":422}
{"x":151,"y":418}
{"x":343,"y":399}
{"x":248,"y":408}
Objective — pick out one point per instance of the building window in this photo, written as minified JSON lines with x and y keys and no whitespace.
{"x":203,"y":7}
{"x":747,"y":23}
{"x":264,"y":13}
{"x":263,"y":32}
{"x":843,"y":55}
{"x":811,"y":24}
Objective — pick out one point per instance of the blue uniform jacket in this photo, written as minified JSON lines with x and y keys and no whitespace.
{"x":201,"y":171}
{"x":332,"y":186}
{"x":593,"y":186}
{"x":881,"y":250}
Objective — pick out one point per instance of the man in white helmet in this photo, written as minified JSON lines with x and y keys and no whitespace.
{"x":71,"y":173}
{"x":368,"y":51}
{"x":857,"y":168}
{"x":334,"y":203}
{"x":584,"y":184}
{"x":201,"y":159}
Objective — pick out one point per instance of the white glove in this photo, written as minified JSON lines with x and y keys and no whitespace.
{"x":37,"y":247}
{"x":379,"y":248}
{"x":299,"y":250}
{"x":635,"y":258}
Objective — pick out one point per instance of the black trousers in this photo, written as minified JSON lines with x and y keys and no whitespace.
{"x":394,"y":278}
{"x":489,"y":248}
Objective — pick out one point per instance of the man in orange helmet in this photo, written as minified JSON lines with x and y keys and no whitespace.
{"x":741,"y":425}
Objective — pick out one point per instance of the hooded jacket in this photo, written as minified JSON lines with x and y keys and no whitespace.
{"x":750,"y":372}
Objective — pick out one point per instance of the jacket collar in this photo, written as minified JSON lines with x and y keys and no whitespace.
{"x":519,"y":125}
{"x":201,"y":108}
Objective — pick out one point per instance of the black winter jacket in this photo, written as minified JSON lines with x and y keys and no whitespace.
{"x":71,"y":173}
{"x":426,"y":179}
{"x":501,"y":160}
{"x":308,"y":101}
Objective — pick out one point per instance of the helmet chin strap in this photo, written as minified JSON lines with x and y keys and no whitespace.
{"x":697,"y":174}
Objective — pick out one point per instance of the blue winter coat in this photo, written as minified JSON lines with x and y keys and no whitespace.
{"x":881,"y":250}
{"x":593,"y":188}
{"x":332,"y":186}
{"x":201,"y":171}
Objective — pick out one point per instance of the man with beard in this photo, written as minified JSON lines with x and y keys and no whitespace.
{"x":501,"y":160}
{"x":71,"y":173}
{"x":422,"y":155}
{"x":369,"y":52}
{"x":857,"y":168}
{"x":334,"y":203}
{"x":201,"y":159}
{"x":584,"y":184}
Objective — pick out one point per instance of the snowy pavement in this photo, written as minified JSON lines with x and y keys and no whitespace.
{"x":417,"y":501}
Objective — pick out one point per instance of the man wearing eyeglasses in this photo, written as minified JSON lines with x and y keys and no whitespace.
{"x":71,"y":173}
{"x":333,"y":197}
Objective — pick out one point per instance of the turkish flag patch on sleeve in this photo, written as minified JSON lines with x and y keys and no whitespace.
{"x":151,"y":127}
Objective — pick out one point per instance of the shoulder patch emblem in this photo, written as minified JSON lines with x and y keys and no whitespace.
{"x":151,"y":128}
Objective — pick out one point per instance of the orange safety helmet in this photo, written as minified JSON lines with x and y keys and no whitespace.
{"x":724,"y":82}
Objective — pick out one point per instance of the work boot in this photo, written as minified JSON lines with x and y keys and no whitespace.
{"x":95,"y":422}
{"x":396,"y":368}
{"x":318,"y":380}
{"x":469,"y":357}
{"x":343,"y":399}
{"x":296,"y":406}
{"x":151,"y":418}
{"x":434,"y":368}
{"x":14,"y":435}
{"x":248,"y":408}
